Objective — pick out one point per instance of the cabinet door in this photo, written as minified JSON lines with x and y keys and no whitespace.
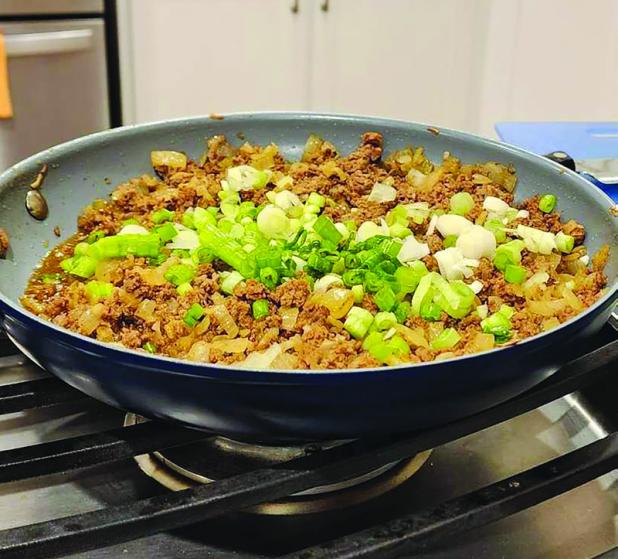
{"x":195,"y":57}
{"x":411,"y":59}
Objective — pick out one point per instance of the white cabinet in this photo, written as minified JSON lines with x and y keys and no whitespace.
{"x":194,"y":57}
{"x":461,"y":64}
{"x":401,"y":58}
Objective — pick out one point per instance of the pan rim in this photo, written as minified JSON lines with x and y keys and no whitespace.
{"x":183,"y":366}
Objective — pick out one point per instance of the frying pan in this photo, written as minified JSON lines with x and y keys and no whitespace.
{"x":274,"y":406}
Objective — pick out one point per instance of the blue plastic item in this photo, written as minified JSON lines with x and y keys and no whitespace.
{"x":581,"y":140}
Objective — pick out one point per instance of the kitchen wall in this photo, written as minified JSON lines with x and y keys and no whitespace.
{"x":464,"y":64}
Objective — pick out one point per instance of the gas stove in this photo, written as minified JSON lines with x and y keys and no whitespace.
{"x":535,"y":477}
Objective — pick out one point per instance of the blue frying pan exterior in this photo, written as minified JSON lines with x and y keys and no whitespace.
{"x":275,"y":406}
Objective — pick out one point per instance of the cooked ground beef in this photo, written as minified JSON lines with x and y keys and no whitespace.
{"x":4,"y":243}
{"x":146,"y":311}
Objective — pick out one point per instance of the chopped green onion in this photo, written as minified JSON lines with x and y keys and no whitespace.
{"x":422,"y":294}
{"x":497,"y":228}
{"x":384,"y":320}
{"x":506,"y":311}
{"x":514,"y":273}
{"x":227,"y":249}
{"x":409,"y":276}
{"x":150,"y":347}
{"x":499,"y":325}
{"x":51,"y":279}
{"x":430,"y":311}
{"x":547,"y":203}
{"x":391,"y":247}
{"x":179,"y":273}
{"x":447,"y":339}
{"x":130,"y":221}
{"x":202,"y":256}
{"x":324,"y":227}
{"x":381,"y":351}
{"x":157,"y":260}
{"x":508,"y":253}
{"x":316,"y":199}
{"x":318,"y":264}
{"x":230,"y":281}
{"x":202,"y":217}
{"x":193,"y":315}
{"x":359,"y":292}
{"x":372,"y":339}
{"x":565,"y":243}
{"x":260,"y":308}
{"x":166,"y":232}
{"x":385,"y":298}
{"x":117,"y":246}
{"x":162,"y":215}
{"x":450,"y":240}
{"x":454,"y":297}
{"x":95,"y":236}
{"x":461,"y":203}
{"x":81,"y":249}
{"x":82,"y":266}
{"x":269,"y":277}
{"x":358,"y":321}
{"x":402,"y":311}
{"x":398,"y":345}
{"x":274,"y":224}
{"x":97,"y":290}
{"x":184,"y":289}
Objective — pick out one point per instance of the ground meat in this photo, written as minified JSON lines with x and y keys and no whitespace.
{"x":4,"y":243}
{"x":146,"y":308}
{"x":292,"y":293}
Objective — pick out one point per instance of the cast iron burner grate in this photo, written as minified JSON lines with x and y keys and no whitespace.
{"x":171,"y":510}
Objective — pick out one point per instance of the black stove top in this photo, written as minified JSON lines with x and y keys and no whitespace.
{"x":534,"y":477}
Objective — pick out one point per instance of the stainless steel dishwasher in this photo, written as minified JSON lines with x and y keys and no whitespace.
{"x":59,"y":73}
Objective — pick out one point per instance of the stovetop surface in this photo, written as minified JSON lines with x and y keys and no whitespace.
{"x":580,"y":524}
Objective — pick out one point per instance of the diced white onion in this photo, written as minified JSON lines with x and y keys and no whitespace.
{"x":273,"y":223}
{"x":482,"y":311}
{"x":453,"y":265}
{"x":133,"y":229}
{"x":449,"y":224}
{"x":477,"y":242}
{"x":286,"y":199}
{"x":536,"y":240}
{"x":584,"y":259}
{"x":415,"y":177}
{"x":261,"y":359}
{"x":432,"y":224}
{"x":367,"y":230}
{"x":187,"y":239}
{"x":536,"y":279}
{"x":382,"y":192}
{"x":329,"y":280}
{"x":495,"y":205}
{"x":345,"y":232}
{"x":476,"y":286}
{"x":523,"y":214}
{"x":412,"y":250}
